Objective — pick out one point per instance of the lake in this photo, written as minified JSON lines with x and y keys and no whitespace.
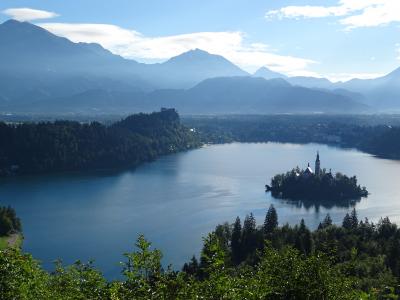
{"x":178,"y":199}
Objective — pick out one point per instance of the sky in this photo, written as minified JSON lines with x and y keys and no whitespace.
{"x":336,"y":39}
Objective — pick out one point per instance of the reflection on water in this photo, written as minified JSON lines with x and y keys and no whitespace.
{"x":326,"y":204}
{"x":178,"y":199}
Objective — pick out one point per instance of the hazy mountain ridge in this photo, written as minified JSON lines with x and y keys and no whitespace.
{"x":382,"y":93}
{"x":221,"y":95}
{"x":59,"y":75}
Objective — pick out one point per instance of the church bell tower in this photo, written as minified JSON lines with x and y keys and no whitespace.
{"x":317,"y":165}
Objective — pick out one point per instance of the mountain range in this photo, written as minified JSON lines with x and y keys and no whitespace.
{"x":44,"y":73}
{"x":381,"y":94}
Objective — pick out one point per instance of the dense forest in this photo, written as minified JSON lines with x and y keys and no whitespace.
{"x":299,"y":185}
{"x":9,"y":222}
{"x":357,"y":260}
{"x":67,"y":145}
{"x":377,"y":135}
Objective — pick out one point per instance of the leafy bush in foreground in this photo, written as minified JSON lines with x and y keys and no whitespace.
{"x":358,"y":260}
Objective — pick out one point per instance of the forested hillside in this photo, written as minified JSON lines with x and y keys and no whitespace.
{"x":66,"y":145}
{"x":378,"y":135}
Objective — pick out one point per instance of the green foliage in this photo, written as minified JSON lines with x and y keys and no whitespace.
{"x":145,"y":263}
{"x":21,"y":276}
{"x":145,"y":278}
{"x":332,"y":262}
{"x":3,"y":242}
{"x":363,"y":256}
{"x":78,"y":281}
{"x":293,"y":276}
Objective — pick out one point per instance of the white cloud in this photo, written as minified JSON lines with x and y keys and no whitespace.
{"x":29,"y":14}
{"x":132,"y":44}
{"x":307,"y":11}
{"x":353,"y":13}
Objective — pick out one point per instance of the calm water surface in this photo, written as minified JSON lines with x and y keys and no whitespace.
{"x":178,"y":199}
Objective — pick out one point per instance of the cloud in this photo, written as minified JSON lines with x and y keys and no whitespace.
{"x":307,"y":11}
{"x":134,"y":45}
{"x":29,"y":14}
{"x":352,"y":13}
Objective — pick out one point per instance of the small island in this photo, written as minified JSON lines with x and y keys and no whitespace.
{"x":306,"y":184}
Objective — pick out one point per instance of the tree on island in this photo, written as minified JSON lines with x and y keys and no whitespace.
{"x":303,"y":185}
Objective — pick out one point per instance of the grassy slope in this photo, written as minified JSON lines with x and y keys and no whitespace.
{"x":4,"y":241}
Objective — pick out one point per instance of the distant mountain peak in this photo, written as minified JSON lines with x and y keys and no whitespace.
{"x":196,"y":54}
{"x":197,"y":51}
{"x":11,"y":22}
{"x":196,"y":65}
{"x":15,"y":24}
{"x":15,"y":29}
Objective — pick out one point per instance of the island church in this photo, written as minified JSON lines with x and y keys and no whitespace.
{"x":309,"y":171}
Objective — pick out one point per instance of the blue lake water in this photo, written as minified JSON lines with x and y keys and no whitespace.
{"x":178,"y":199}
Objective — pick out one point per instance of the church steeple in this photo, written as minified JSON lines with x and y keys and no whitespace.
{"x":317,"y":165}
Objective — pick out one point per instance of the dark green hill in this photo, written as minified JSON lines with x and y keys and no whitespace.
{"x":67,"y":145}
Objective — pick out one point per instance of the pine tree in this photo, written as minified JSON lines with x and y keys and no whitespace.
{"x":303,"y":240}
{"x":191,"y":268}
{"x":249,"y":235}
{"x":236,"y":246}
{"x":393,"y":256}
{"x":347,"y":222}
{"x":303,"y":227}
{"x":326,"y":222}
{"x":249,"y":225}
{"x":307,"y":242}
{"x":354,"y":218}
{"x":271,"y":220}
